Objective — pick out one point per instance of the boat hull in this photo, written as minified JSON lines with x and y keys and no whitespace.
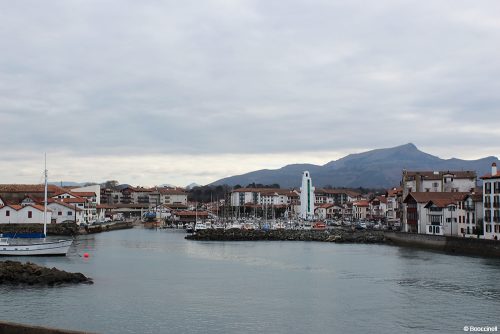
{"x":57,"y":248}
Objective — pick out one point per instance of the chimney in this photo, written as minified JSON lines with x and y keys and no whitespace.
{"x":494,"y":169}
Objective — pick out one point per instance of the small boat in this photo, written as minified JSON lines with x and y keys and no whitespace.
{"x":14,"y":247}
{"x":200,"y":226}
{"x":9,"y":247}
{"x":189,"y":228}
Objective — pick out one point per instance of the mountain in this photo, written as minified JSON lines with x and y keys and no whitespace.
{"x":192,"y":185}
{"x":380,"y":168}
{"x":68,"y":184}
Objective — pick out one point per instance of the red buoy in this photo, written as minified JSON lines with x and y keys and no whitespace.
{"x":85,"y":255}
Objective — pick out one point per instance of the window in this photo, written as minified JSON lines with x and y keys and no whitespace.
{"x":30,"y":214}
{"x":430,"y":229}
{"x":59,"y":213}
{"x":7,"y":213}
{"x":70,"y":213}
{"x":435,"y":184}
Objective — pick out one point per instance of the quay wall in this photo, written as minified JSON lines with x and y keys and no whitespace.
{"x":456,"y":245}
{"x":459,"y":245}
{"x":14,"y":328}
{"x":52,"y":229}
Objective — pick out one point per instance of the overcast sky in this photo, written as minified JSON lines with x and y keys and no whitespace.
{"x":150,"y":92}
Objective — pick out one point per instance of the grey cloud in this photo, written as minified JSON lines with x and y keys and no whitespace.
{"x":127,"y":77}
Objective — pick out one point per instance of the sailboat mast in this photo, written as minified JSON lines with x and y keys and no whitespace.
{"x":45,"y":201}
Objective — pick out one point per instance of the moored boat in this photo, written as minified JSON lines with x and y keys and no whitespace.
{"x":12,"y":246}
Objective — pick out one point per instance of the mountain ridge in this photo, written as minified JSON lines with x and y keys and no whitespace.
{"x":378,"y":168}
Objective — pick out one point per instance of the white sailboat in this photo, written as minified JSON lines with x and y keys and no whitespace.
{"x":13,"y":247}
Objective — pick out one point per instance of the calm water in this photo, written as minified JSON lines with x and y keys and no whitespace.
{"x":156,"y":282}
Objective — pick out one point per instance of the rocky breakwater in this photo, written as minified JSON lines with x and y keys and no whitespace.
{"x":336,"y":235}
{"x":15,"y":273}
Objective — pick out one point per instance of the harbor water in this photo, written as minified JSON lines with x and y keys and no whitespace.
{"x":155,"y":281}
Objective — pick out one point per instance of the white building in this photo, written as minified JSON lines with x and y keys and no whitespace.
{"x":85,"y":201}
{"x":378,"y":207}
{"x":168,"y":196}
{"x":307,"y":197}
{"x":392,"y":214}
{"x":471,"y":223}
{"x":63,"y":212}
{"x":360,"y":209}
{"x":433,"y":213}
{"x":491,"y":204}
{"x":438,"y":181}
{"x":92,"y":193}
{"x":19,"y":214}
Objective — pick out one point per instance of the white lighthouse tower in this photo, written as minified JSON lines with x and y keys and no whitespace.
{"x":306,"y":197}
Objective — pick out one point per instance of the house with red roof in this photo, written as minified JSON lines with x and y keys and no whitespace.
{"x":23,"y":214}
{"x":64,"y":212}
{"x":360,"y":209}
{"x":433,"y":212}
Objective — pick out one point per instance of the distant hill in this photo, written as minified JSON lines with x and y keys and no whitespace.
{"x":380,"y":168}
{"x":68,"y":184}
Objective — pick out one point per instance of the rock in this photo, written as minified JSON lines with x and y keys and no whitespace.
{"x":12,"y":272}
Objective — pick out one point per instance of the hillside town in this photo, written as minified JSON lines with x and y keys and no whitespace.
{"x":445,"y":203}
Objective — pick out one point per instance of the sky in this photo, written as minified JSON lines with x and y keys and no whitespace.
{"x":173,"y":92}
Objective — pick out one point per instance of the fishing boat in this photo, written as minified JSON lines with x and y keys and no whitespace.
{"x":43,"y":247}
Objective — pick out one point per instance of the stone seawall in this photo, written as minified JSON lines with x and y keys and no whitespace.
{"x":337,"y":235}
{"x":13,"y":328}
{"x":458,"y":245}
{"x":52,"y":229}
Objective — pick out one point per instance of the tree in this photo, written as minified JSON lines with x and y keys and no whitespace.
{"x":111,"y":184}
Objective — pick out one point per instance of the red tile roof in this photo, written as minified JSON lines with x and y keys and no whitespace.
{"x":441,"y":203}
{"x":84,"y":193}
{"x":37,"y":206}
{"x":69,"y":206}
{"x":489,"y":176}
{"x":424,"y":197}
{"x":361,"y":203}
{"x":28,"y":188}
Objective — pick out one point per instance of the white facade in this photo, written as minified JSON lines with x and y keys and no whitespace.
{"x":168,"y":196}
{"x":16,"y":214}
{"x":242,"y":196}
{"x":491,"y":204}
{"x":441,"y":219}
{"x":64,"y":213}
{"x":307,"y":198}
{"x":260,"y":196}
{"x":392,"y":207}
{"x":95,"y":189}
{"x":360,"y":210}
